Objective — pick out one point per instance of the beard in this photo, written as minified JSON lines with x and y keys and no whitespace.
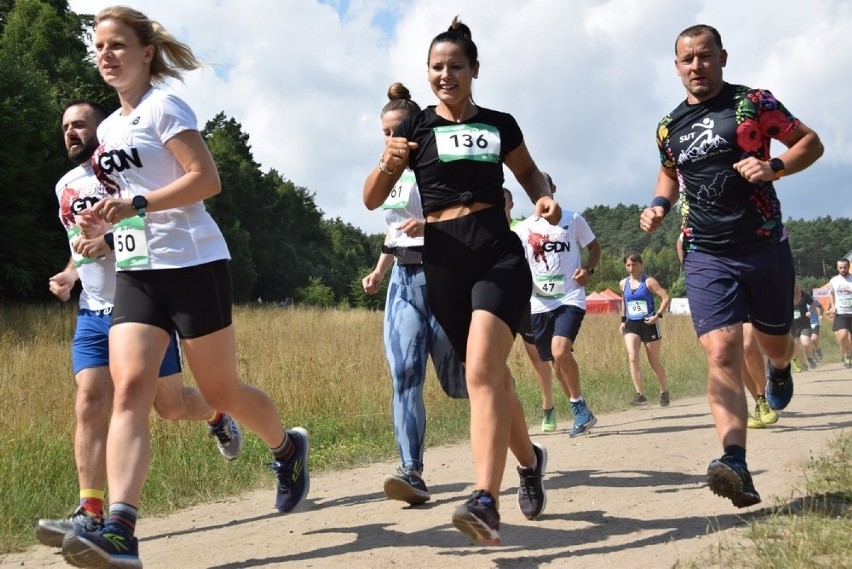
{"x":82,"y":153}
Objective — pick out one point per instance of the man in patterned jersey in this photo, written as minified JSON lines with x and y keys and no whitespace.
{"x":93,"y":263}
{"x":840,"y":309}
{"x":716,"y":161}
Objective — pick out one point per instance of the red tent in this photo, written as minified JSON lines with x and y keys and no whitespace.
{"x":599,"y":303}
{"x":611,"y":294}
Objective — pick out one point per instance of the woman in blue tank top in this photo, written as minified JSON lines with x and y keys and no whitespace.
{"x":640,"y":325}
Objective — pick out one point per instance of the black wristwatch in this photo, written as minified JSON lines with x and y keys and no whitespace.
{"x":590,"y":269}
{"x":777,"y":166}
{"x":140,"y":203}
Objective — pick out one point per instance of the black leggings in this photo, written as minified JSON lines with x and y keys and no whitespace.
{"x":475,"y":262}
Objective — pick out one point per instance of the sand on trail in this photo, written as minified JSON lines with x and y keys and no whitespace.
{"x":631,"y":494}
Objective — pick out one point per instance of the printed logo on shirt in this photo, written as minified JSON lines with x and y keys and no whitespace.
{"x":543,"y":244}
{"x":703,"y":143}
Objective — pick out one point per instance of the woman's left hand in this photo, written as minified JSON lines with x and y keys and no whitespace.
{"x":549,"y":209}
{"x":413,"y":227}
{"x":112,"y":210}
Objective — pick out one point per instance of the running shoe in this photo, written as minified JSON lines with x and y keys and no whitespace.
{"x":779,"y":387}
{"x":548,"y":423}
{"x":293,"y":477}
{"x":797,"y":365}
{"x":767,"y":415}
{"x":754,"y":421}
{"x":583,"y":418}
{"x":112,"y":546}
{"x":730,"y":479}
{"x":847,"y":361}
{"x":229,"y":437}
{"x":407,"y":486}
{"x":665,"y":399}
{"x":50,"y":532}
{"x":639,"y":400}
{"x":478,"y":518}
{"x":532,"y":498}
{"x":812,"y":362}
{"x":818,"y":354}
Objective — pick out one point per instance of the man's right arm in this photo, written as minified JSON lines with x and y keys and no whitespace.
{"x":665,"y":191}
{"x":61,"y":283}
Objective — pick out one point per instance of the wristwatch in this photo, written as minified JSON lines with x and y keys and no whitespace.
{"x":590,"y":269}
{"x":777,"y":166}
{"x":140,"y":203}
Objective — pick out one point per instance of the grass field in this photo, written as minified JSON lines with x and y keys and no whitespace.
{"x":325,"y":370}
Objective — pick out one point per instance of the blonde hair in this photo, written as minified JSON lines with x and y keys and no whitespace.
{"x":171,"y":57}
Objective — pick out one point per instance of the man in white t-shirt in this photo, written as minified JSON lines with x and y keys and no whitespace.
{"x":558,"y":302}
{"x":840,"y":308}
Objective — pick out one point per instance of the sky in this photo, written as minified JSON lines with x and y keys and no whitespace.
{"x":587,"y":81}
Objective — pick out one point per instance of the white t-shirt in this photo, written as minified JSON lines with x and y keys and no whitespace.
{"x":553,"y":253}
{"x":76,"y":191}
{"x":403,"y":203}
{"x":133,"y":159}
{"x":842,"y":289}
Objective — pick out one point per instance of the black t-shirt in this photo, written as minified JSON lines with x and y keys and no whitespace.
{"x":721,"y":211}
{"x":460,"y":163}
{"x":802,"y":307}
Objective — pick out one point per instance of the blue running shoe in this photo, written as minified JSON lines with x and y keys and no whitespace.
{"x":293,"y":477}
{"x":779,"y":387}
{"x":583,"y":418}
{"x":112,"y":546}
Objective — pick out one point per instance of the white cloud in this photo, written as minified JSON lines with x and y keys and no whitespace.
{"x":587,"y":81}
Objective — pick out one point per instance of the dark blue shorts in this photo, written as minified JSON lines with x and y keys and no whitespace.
{"x":565,"y":321}
{"x":91,"y":344}
{"x":724,"y":290}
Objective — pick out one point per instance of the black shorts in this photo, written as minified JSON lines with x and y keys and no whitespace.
{"x":646,"y":332}
{"x":475,"y":262}
{"x":194,"y":301}
{"x":842,"y":322}
{"x":802,"y":328}
{"x":525,"y":329}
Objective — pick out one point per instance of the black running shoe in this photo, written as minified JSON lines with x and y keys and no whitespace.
{"x":730,"y":479}
{"x":531,"y":495}
{"x":479,"y":519}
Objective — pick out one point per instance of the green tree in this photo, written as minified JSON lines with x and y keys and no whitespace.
{"x":316,"y":294}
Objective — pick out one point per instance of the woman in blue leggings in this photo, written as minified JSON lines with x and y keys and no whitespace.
{"x":411,"y":332}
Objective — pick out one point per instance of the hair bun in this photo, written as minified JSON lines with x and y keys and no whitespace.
{"x":398,"y":91}
{"x":460,"y":28}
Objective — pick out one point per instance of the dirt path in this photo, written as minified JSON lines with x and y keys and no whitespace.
{"x":632,"y":494}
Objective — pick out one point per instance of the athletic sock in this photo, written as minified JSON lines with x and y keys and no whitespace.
{"x":92,"y":501}
{"x":215,"y":419}
{"x":125,"y":514}
{"x":737,"y":453}
{"x":285,"y":450}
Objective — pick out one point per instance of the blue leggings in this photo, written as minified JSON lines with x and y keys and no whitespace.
{"x":411,"y":334}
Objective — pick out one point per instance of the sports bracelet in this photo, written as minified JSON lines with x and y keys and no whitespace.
{"x":383,"y":167}
{"x":663,"y":203}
